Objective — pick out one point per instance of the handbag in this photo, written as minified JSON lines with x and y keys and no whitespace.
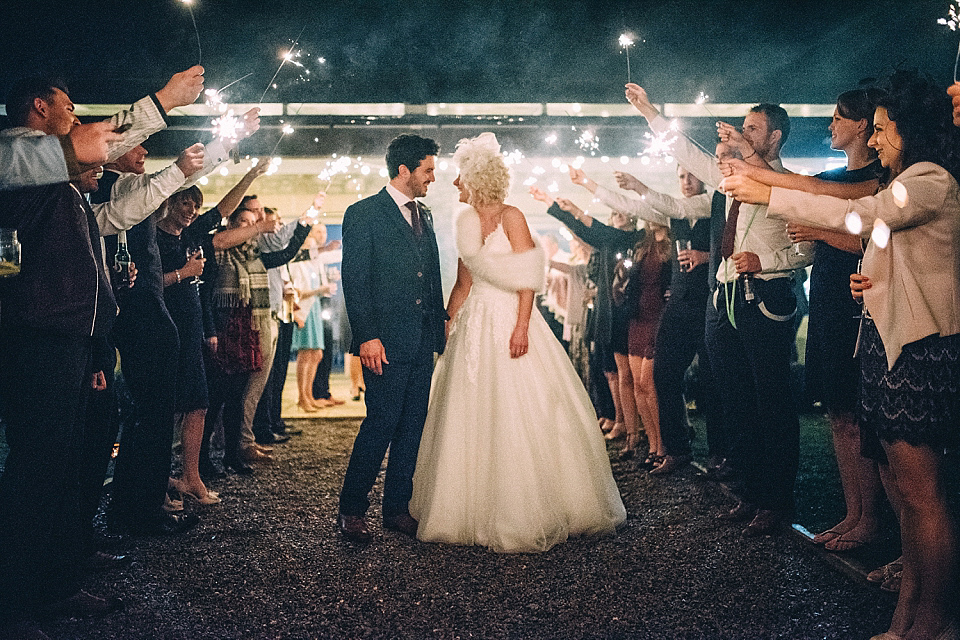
{"x":238,"y":344}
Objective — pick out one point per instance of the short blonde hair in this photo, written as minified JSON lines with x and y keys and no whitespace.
{"x":483,"y":173}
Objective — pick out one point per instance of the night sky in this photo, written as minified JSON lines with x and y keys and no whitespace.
{"x":519,"y":51}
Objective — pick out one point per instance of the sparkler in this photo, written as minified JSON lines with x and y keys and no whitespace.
{"x":626,"y":41}
{"x":953,"y":22}
{"x":189,"y":4}
{"x":285,"y":58}
{"x":702,"y":100}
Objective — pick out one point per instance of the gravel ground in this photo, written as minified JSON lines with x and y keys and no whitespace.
{"x":268,"y":563}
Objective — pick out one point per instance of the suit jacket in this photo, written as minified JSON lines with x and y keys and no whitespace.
{"x":391,"y":279}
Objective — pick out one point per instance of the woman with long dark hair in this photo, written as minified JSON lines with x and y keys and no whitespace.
{"x":910,"y":334}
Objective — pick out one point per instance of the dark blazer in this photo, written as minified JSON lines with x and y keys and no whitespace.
{"x":391,"y":279}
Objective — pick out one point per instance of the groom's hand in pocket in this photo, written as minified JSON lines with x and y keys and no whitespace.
{"x":373,"y":355}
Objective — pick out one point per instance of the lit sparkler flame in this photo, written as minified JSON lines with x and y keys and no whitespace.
{"x":589,"y":141}
{"x":228,"y":126}
{"x":625,"y":40}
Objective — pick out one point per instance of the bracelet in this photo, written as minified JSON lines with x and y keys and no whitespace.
{"x":177,"y":271}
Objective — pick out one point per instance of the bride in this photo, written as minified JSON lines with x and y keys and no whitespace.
{"x":511,"y":457}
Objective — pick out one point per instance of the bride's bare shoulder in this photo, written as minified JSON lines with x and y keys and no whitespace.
{"x":515,"y":226}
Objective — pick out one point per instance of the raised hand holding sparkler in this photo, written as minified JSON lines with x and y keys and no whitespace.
{"x":191,"y":159}
{"x":541,"y":196}
{"x":182,"y":89}
{"x":954,"y":92}
{"x":311,"y":215}
{"x":629,"y":182}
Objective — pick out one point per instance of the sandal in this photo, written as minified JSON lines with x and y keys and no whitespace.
{"x":882,"y":573}
{"x":840,"y":544}
{"x":826,"y":536}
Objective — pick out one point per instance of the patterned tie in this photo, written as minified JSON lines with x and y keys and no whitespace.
{"x":415,"y":220}
{"x":730,"y":230}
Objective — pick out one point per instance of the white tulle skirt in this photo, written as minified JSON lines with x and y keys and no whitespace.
{"x":511,"y":456}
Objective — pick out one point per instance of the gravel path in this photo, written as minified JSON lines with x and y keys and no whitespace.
{"x":268,"y":563}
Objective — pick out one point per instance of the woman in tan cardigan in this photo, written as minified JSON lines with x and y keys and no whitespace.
{"x":910,"y":336}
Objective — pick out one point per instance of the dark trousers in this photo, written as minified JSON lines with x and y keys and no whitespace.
{"x":45,"y":382}
{"x":754,"y":359}
{"x":601,"y":357}
{"x":719,"y":432}
{"x":103,"y":424}
{"x":225,"y":393}
{"x":267,"y":419}
{"x":149,"y":346}
{"x":396,"y":409}
{"x":321,"y":383}
{"x":679,"y":338}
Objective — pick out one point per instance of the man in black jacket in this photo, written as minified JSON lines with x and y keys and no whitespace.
{"x":391,"y":284}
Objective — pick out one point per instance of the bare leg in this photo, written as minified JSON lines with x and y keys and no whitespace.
{"x":356,"y":375}
{"x":625,"y":376}
{"x":649,"y":392}
{"x":191,"y":438}
{"x":614,"y":382}
{"x":860,"y":481}
{"x":651,"y":424}
{"x":928,"y":539}
{"x":304,"y":390}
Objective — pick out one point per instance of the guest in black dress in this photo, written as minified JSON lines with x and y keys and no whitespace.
{"x":181,"y":236}
{"x":832,"y":373}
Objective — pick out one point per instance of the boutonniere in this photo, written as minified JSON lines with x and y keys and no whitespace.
{"x":426,"y":215}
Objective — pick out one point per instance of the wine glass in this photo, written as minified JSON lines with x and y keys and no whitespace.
{"x":190,"y":253}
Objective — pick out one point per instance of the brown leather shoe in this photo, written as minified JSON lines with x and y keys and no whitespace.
{"x":766,"y":522}
{"x":255,"y":455}
{"x":742,"y":512}
{"x":354,"y":528}
{"x":404,"y":523}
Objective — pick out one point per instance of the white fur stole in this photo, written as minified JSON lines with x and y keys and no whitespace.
{"x":512,"y":271}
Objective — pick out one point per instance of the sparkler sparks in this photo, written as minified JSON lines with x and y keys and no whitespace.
{"x":627,"y":40}
{"x":702,"y":100}
{"x":589,"y":141}
{"x":228,"y":126}
{"x":953,"y":22}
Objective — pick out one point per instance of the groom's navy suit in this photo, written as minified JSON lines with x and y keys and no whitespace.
{"x":391,"y":285}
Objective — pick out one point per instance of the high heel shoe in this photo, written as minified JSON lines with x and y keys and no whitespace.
{"x":630,"y":448}
{"x":619,"y":429}
{"x":211,"y":497}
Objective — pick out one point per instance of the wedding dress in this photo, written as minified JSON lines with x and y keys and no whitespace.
{"x":511,"y":456}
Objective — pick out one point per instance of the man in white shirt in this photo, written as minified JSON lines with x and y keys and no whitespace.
{"x":751,"y":341}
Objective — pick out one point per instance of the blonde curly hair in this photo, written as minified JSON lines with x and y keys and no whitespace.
{"x":483,"y":173}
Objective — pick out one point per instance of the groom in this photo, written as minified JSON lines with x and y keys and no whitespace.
{"x":391,"y":284}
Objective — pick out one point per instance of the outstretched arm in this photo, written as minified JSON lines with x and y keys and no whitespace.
{"x":798,"y":182}
{"x":692,"y":158}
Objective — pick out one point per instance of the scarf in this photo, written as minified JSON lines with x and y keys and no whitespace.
{"x":242,"y":280}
